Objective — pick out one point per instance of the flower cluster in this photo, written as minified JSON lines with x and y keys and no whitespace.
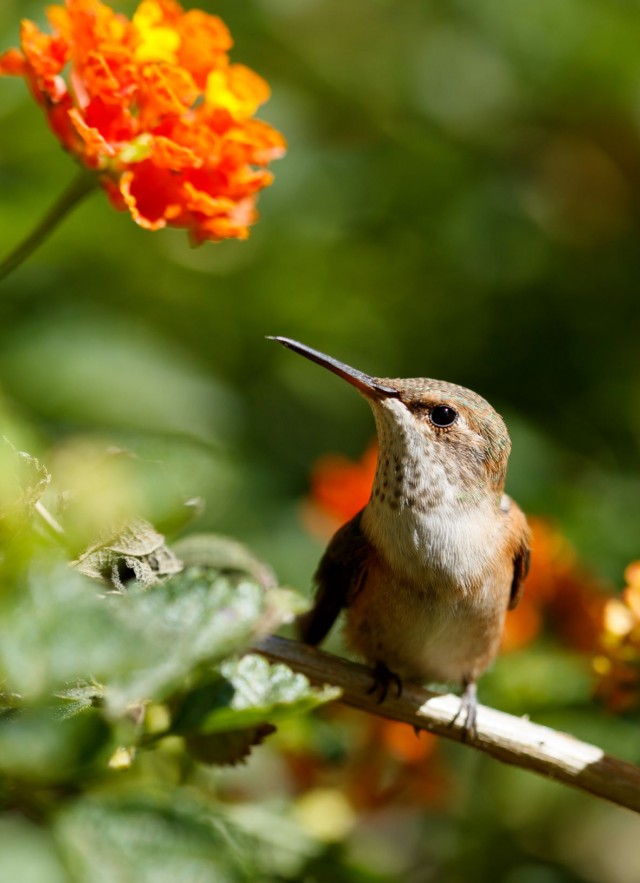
{"x":155,"y":107}
{"x":618,"y":665}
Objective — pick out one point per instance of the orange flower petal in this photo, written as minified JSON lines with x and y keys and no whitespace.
{"x":13,"y":63}
{"x":237,"y":89}
{"x":402,"y":742}
{"x":165,"y":90}
{"x":522,"y":625}
{"x":148,"y":215}
{"x":205,"y":203}
{"x":46,"y":55}
{"x":96,"y":146}
{"x":234,"y":225}
{"x":103,"y":76}
{"x":168,"y":154}
{"x":632,"y":575}
{"x":341,"y":487}
{"x":205,"y":40}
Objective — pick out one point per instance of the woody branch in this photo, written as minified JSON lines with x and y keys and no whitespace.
{"x":513,"y":740}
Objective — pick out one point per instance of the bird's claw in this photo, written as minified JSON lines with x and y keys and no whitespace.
{"x":382,"y":679}
{"x":468,"y":706}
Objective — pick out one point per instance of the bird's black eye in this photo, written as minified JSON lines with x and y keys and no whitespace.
{"x":443,"y":416}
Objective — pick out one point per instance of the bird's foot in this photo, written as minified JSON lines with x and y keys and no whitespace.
{"x":468,"y":706}
{"x":382,"y":680}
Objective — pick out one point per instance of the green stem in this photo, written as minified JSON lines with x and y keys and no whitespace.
{"x":80,"y":186}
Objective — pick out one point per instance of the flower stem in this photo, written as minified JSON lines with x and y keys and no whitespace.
{"x":83,"y":183}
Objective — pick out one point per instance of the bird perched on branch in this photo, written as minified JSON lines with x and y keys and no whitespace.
{"x":430,"y":566}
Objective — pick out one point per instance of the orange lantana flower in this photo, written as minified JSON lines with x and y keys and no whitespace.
{"x":155,"y":107}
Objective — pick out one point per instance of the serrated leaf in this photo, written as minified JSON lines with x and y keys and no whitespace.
{"x":223,"y":719}
{"x":135,"y":551}
{"x":227,"y":749}
{"x":140,"y":646}
{"x":23,"y":480}
{"x":29,"y":477}
{"x":253,"y":692}
{"x":79,"y":698}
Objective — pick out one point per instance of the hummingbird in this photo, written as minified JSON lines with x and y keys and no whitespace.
{"x":427,"y":570}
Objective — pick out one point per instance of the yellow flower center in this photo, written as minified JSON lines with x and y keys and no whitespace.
{"x":157,"y":42}
{"x":236,"y":89}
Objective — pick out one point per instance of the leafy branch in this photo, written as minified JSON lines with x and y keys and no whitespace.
{"x":513,"y":740}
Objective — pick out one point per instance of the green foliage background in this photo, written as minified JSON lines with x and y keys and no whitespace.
{"x":461,"y":199}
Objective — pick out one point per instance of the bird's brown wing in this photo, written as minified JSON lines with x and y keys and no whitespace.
{"x":340,"y":574}
{"x":521,"y":564}
{"x":522,"y":555}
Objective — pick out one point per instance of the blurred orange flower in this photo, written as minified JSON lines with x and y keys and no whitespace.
{"x":386,"y":763}
{"x":618,"y":665}
{"x":557,"y":593}
{"x":154,"y":106}
{"x":340,"y":488}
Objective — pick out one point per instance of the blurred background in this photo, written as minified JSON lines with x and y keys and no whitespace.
{"x":460,"y":200}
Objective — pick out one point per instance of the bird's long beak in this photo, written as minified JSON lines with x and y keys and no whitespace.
{"x":367,"y":385}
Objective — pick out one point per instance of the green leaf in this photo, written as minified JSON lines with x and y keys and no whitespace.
{"x":135,"y":551}
{"x":278,"y":840}
{"x":227,"y":749}
{"x":252,"y":692}
{"x":150,"y":839}
{"x":190,"y":621}
{"x":139,"y":646}
{"x":28,"y":854}
{"x":79,"y":698}
{"x":36,"y":745}
{"x":224,"y":555}
{"x":23,"y":479}
{"x":57,"y":630}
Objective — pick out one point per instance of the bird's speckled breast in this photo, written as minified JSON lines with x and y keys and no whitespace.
{"x":433,"y":603}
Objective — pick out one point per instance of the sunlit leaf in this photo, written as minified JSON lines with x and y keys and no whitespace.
{"x":253,"y":691}
{"x":189,"y":621}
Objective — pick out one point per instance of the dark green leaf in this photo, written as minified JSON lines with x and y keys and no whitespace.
{"x":36,"y":745}
{"x":227,"y":749}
